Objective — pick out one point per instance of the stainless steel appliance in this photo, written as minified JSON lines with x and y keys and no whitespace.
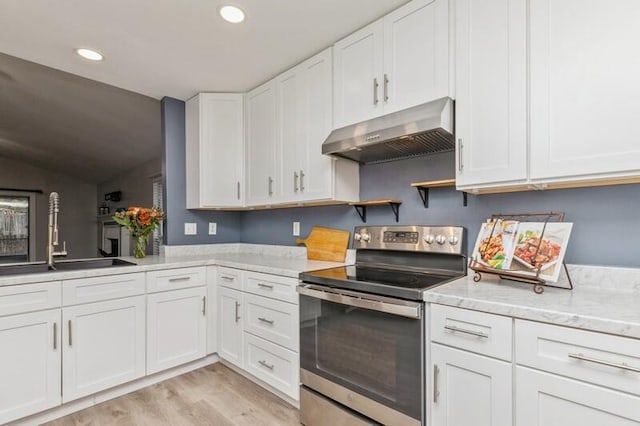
{"x":420,"y":130}
{"x":362,"y":327}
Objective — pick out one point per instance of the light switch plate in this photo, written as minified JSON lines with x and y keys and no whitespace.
{"x":190,"y":229}
{"x":296,"y":229}
{"x":213,"y":228}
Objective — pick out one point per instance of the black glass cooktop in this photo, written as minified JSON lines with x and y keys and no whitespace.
{"x":382,"y":281}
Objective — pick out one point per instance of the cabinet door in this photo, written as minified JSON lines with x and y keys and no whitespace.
{"x":230,"y":326}
{"x":416,"y":54}
{"x":290,"y":131}
{"x":176,"y":328}
{"x":212,"y":309}
{"x":585,"y":95}
{"x":358,"y":72}
{"x":491,"y":91}
{"x":30,"y":362}
{"x":550,"y":400}
{"x":103,"y":345}
{"x":221,"y":149}
{"x":316,"y":180}
{"x":262,"y":150}
{"x":469,"y":389}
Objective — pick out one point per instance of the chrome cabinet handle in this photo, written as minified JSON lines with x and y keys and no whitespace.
{"x":460,"y":165}
{"x":55,"y":336}
{"x":436,"y":392}
{"x":238,"y":190}
{"x":70,"y":340}
{"x":265,"y":286}
{"x":227,"y":278}
{"x":237,"y":316}
{"x":270,"y":186}
{"x":620,"y":365}
{"x":375,"y":91}
{"x":264,"y":364}
{"x":179,"y":279}
{"x":301,"y":180}
{"x":295,"y":181}
{"x":465,"y":331}
{"x":386,"y":88}
{"x":204,"y":306}
{"x":266,"y":321}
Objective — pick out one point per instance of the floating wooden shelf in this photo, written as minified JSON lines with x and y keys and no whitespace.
{"x":361,"y":207}
{"x":423,"y":189}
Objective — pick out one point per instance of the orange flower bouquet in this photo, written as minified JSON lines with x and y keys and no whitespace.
{"x":141,"y":222}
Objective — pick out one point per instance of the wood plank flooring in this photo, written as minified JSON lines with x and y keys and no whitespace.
{"x":213,"y":395}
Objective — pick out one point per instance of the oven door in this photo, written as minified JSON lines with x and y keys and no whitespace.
{"x":364,"y":351}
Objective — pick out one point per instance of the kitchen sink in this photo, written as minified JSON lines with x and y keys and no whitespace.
{"x":70,"y":265}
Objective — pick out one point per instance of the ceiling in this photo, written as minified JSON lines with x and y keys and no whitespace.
{"x":178,"y":48}
{"x":69,"y":124}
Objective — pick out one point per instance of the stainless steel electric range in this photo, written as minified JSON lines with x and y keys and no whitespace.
{"x":362,"y":327}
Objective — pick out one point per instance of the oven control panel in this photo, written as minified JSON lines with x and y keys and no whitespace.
{"x":432,"y":239}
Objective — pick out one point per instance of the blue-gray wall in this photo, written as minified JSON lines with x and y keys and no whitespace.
{"x":173,"y":170}
{"x":606,"y":219}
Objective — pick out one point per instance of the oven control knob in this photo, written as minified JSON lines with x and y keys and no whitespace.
{"x":429,"y":239}
{"x":441,"y":239}
{"x":366,"y":237}
{"x":357,"y":237}
{"x":453,"y":240}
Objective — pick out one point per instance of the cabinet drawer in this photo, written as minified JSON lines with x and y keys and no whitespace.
{"x":17,"y":299}
{"x":273,"y":364}
{"x":473,"y":331}
{"x":272,"y":320}
{"x":229,"y":277}
{"x":96,"y":289}
{"x":274,"y":286}
{"x":598,"y":358}
{"x":174,"y":279}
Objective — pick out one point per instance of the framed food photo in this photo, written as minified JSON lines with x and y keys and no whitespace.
{"x":540,"y":246}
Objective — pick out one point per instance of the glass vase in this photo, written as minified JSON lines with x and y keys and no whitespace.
{"x":140,"y":247}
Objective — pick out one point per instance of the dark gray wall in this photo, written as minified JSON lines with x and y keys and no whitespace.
{"x":606,"y":219}
{"x":173,"y":168}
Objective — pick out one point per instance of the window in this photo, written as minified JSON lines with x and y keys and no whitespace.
{"x":15,"y":239}
{"x":158,"y":201}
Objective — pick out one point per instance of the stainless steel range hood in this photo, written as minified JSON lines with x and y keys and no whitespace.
{"x":424,"y":129}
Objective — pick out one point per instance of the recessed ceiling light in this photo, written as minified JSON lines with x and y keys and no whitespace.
{"x":232,"y":14}
{"x":90,"y":54}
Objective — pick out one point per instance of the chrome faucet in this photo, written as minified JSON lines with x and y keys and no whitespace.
{"x":52,"y":236}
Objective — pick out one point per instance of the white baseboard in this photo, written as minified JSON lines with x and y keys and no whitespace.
{"x":98,"y":398}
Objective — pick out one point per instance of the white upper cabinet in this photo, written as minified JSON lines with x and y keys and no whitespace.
{"x":397,"y":62}
{"x":491,"y":91}
{"x":263,"y":157}
{"x":585,"y":95}
{"x":214,"y":150}
{"x":416,"y":54}
{"x":304,"y":122}
{"x":358,"y":68}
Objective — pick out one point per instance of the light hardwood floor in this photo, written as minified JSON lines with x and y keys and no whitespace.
{"x":213,"y":395}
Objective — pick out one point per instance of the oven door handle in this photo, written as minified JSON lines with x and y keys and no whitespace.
{"x":403,"y":308}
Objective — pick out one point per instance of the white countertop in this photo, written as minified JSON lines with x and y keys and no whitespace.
{"x":614,"y":311}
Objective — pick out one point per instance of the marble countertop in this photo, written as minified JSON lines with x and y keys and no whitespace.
{"x":257,"y":262}
{"x":587,"y":306}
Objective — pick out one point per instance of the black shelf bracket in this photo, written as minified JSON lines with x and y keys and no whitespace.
{"x":395,"y":208}
{"x":423,"y":191}
{"x":362,"y":212}
{"x":361,"y":209}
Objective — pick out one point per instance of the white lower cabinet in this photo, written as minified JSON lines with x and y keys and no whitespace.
{"x":544,"y":399}
{"x":273,"y":364}
{"x":103,"y":345}
{"x":176,"y":328}
{"x":212,"y":308}
{"x":469,"y":389}
{"x":230,"y":326}
{"x":30,"y":362}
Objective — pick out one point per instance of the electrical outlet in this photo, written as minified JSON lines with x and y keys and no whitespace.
{"x":213,"y":228}
{"x":296,"y":229}
{"x":190,"y":229}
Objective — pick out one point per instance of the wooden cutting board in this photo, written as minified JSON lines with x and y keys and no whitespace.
{"x":326,"y":244}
